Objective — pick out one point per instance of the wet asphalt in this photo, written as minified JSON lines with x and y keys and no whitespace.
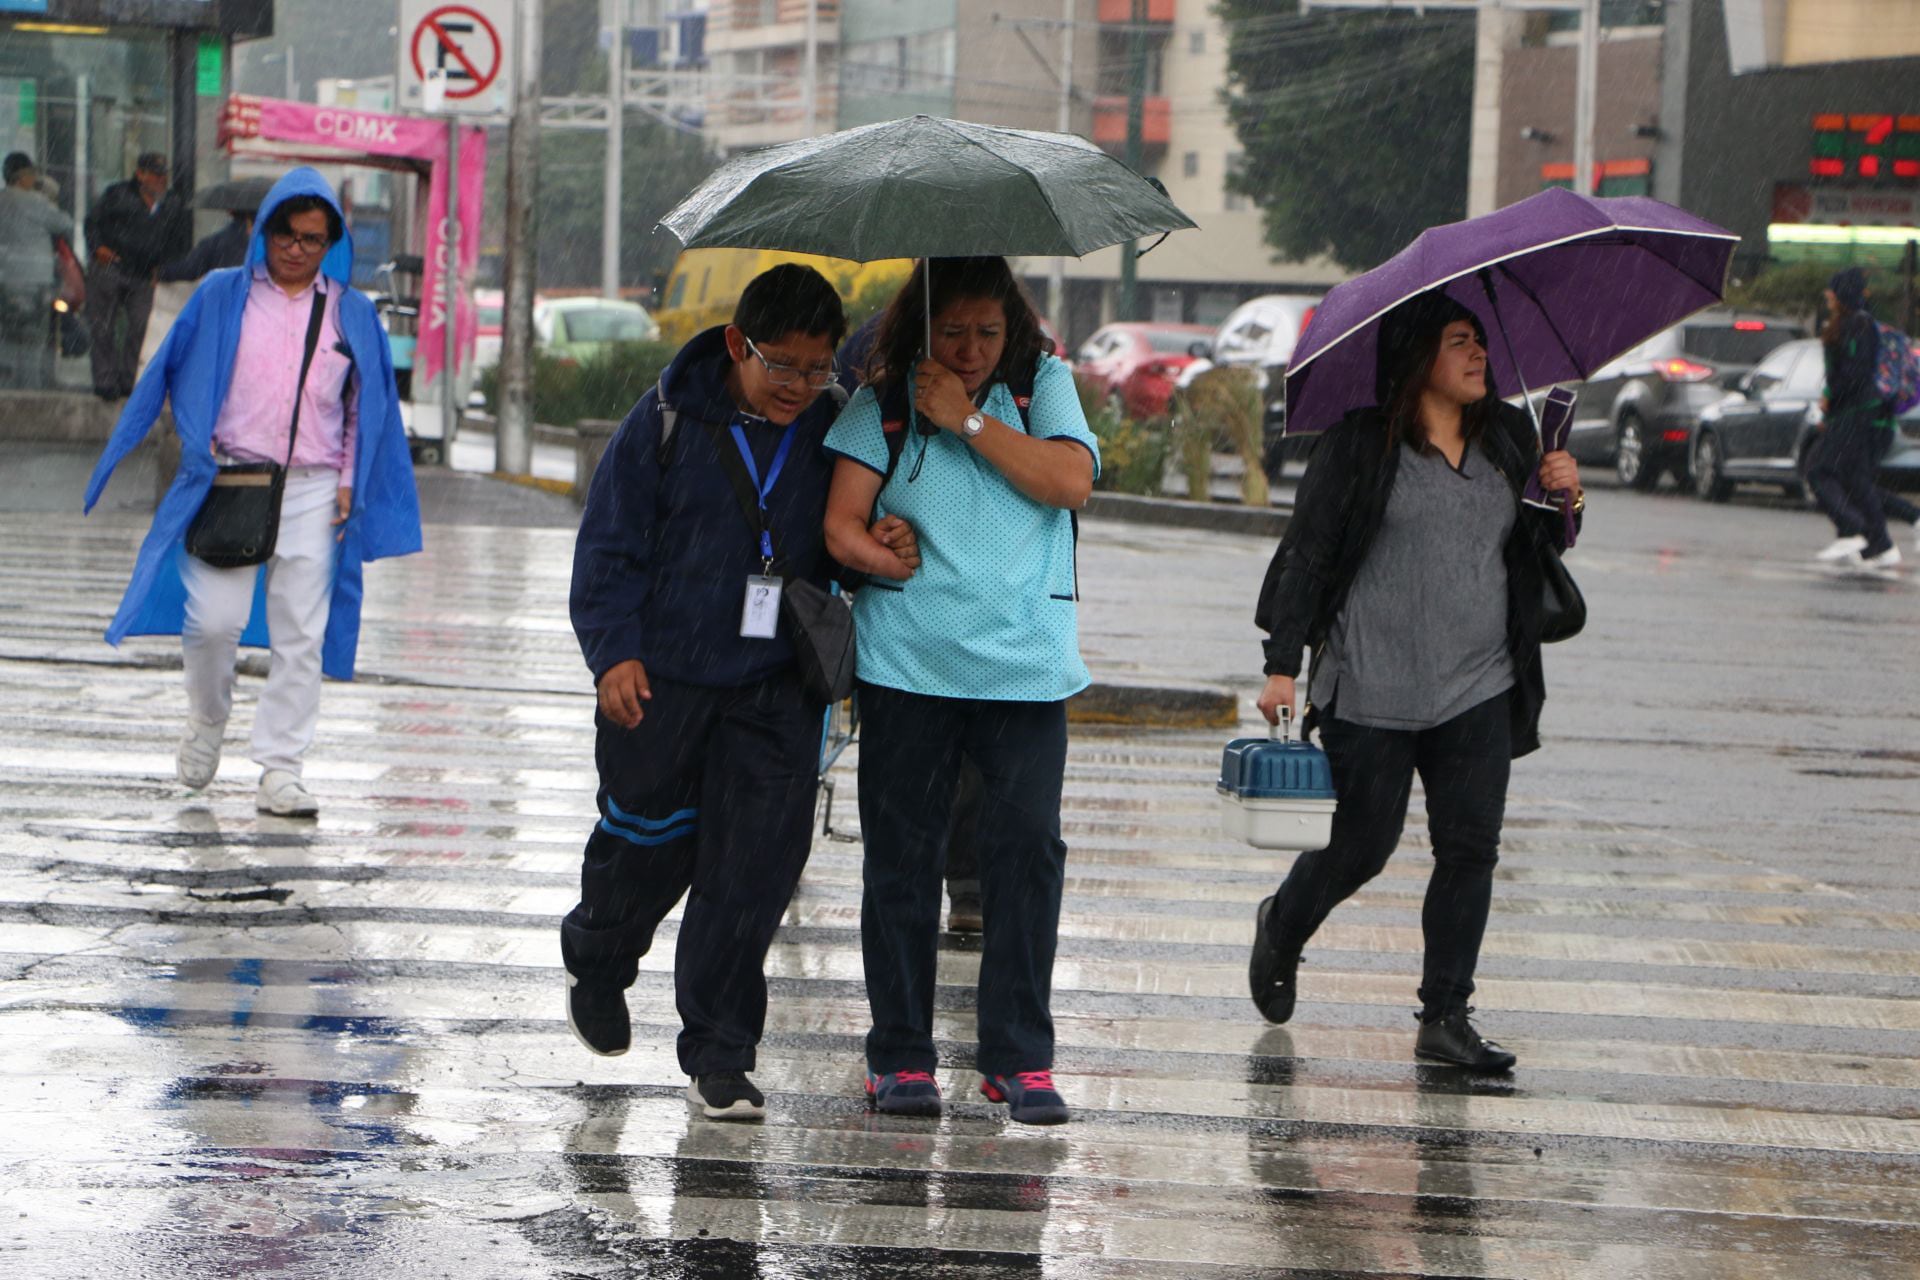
{"x":232,"y":1045}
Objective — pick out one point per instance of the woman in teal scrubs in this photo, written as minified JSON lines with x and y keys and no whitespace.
{"x":984,"y":449}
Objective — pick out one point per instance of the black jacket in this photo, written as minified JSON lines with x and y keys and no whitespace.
{"x":144,"y":238}
{"x":1336,"y":515}
{"x":226,"y":247}
{"x":1852,"y":360}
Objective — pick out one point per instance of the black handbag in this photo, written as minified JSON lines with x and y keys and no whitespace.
{"x":821,"y":622}
{"x":1563,"y":610}
{"x":239,"y":522}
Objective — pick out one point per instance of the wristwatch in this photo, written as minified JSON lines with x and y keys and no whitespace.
{"x":973,"y":425}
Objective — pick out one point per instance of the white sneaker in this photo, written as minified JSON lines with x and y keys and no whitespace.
{"x":199,"y":757}
{"x":282,"y":794}
{"x":1885,"y":560}
{"x":1843,"y":549}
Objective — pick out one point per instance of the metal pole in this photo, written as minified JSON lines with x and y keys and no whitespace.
{"x":1586,"y":84}
{"x":450,"y":278}
{"x":616,"y":149}
{"x":513,"y":434}
{"x":293,"y":81}
{"x":813,"y":68}
{"x":1136,"y":110}
{"x":1057,"y":277}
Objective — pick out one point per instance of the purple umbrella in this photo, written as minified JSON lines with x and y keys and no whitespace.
{"x":1563,"y":283}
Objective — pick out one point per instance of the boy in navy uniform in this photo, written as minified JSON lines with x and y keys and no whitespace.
{"x":707,"y":745}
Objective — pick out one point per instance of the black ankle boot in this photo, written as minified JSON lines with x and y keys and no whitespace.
{"x":1272,"y":972}
{"x":1451,"y":1038}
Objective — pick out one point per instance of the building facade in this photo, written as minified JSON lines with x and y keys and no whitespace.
{"x":1189,"y":145}
{"x":87,"y":86}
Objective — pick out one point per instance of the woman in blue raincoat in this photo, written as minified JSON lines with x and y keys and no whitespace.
{"x":230,"y":367}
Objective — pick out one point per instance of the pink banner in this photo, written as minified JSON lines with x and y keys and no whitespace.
{"x":430,"y":355}
{"x":336,"y":135}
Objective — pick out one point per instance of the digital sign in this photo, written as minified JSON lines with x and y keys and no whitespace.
{"x":1866,"y":146}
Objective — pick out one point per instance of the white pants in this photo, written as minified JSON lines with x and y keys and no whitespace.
{"x":299,"y":594}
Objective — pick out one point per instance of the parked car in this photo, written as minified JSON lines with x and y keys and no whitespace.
{"x":1136,"y":365}
{"x":1637,"y":414}
{"x":1764,"y":430}
{"x":489,"y":307}
{"x":1260,"y":335}
{"x":575,"y":328}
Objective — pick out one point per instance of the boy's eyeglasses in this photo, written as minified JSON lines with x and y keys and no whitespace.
{"x":785,"y":375}
{"x":308,"y":243}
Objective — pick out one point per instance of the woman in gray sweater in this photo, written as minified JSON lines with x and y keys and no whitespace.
{"x":1411,"y":567}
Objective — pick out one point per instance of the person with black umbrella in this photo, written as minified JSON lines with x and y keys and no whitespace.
{"x":1411,"y":567}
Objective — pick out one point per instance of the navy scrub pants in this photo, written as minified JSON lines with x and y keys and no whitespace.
{"x":911,"y":747}
{"x":711,"y":796}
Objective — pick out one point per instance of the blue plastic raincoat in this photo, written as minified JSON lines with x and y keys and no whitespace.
{"x":193,"y":369}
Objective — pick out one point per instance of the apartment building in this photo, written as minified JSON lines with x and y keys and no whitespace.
{"x":775,"y":71}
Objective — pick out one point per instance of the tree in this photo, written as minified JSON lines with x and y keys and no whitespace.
{"x":661,"y":165}
{"x":1353,"y":125}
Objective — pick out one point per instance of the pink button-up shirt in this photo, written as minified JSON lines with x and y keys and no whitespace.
{"x":259,"y":407}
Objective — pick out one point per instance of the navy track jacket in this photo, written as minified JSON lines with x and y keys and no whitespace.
{"x":661,"y":564}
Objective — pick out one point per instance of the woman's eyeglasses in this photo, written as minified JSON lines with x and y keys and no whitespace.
{"x":785,"y":375}
{"x":287,"y":241}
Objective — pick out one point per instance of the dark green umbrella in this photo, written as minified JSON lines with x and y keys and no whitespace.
{"x":925,"y":187}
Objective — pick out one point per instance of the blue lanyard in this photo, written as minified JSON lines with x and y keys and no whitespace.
{"x":764,"y":487}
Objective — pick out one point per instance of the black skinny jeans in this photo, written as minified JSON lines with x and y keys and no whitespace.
{"x":1463,"y":765}
{"x":1845,"y":472}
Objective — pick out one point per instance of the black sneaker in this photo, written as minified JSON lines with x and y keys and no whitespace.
{"x":1272,"y":973}
{"x":598,"y":1018}
{"x":1451,"y":1038}
{"x":727,"y":1095}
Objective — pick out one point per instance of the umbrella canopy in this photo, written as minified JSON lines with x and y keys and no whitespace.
{"x":242,"y":195}
{"x":1577,"y":280}
{"x":925,"y":187}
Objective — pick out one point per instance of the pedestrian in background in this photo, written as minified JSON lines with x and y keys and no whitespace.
{"x":706,"y":742}
{"x":226,"y":247}
{"x":1411,"y":567}
{"x":984,"y":450}
{"x":1856,"y":430}
{"x":134,"y":227}
{"x":231,"y":369}
{"x":29,"y":225}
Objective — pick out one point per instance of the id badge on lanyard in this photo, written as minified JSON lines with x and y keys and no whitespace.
{"x":760,"y":607}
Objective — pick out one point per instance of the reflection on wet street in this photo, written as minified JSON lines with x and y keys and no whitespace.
{"x":239,"y":1046}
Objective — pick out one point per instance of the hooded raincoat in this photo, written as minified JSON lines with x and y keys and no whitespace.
{"x":193,"y":369}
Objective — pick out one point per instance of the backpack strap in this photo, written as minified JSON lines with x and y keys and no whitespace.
{"x":896,"y":415}
{"x":669,"y":419}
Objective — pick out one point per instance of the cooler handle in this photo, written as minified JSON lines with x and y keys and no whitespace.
{"x":1281,"y":730}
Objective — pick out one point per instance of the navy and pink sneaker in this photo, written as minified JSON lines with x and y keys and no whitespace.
{"x":1029,"y":1095}
{"x":904,"y":1093}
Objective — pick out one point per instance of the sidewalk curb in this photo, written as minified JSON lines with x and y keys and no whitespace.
{"x":1218,"y":517}
{"x":1155,"y":706}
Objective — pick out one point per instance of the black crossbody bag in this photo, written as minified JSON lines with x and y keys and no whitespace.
{"x":239,"y":522}
{"x":821,"y":623}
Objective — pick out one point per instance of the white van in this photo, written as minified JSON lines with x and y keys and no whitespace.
{"x":1260,"y":335}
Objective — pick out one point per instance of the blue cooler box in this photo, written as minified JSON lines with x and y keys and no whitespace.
{"x":1276,"y":793}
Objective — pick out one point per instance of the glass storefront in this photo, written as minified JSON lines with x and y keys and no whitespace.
{"x":81,"y":106}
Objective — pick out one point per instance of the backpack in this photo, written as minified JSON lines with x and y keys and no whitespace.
{"x":1896,"y":372}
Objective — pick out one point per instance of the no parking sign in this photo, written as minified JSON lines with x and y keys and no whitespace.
{"x":469,"y":42}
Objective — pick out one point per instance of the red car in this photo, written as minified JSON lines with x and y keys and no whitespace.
{"x":1135,"y":365}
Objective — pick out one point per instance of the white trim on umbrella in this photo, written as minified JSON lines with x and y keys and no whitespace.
{"x":1508,"y":257}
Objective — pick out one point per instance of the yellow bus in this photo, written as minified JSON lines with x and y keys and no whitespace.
{"x":705,"y":284}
